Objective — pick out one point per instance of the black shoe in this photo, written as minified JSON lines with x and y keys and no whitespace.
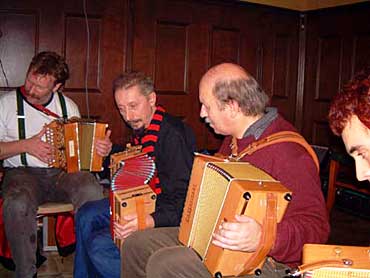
{"x":35,"y":276}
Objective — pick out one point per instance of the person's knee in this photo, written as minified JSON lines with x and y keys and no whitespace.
{"x":17,"y":204}
{"x":163,"y":263}
{"x":86,"y":214}
{"x":134,"y":243}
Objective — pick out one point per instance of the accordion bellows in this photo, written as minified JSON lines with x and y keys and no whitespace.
{"x":218,"y":190}
{"x":133,"y":171}
{"x":74,"y":144}
{"x":130,"y":193}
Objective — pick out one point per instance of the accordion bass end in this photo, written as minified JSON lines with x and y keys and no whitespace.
{"x":219,"y":190}
{"x":140,"y":200}
{"x":74,"y":144}
{"x":131,"y":170}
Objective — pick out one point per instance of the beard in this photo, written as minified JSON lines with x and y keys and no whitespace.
{"x":139,"y":131}
{"x":135,"y":124}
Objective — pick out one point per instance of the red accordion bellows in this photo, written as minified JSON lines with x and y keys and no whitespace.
{"x":134,"y":171}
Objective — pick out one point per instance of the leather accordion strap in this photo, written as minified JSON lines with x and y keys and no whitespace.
{"x":140,"y":210}
{"x":279,"y":137}
{"x":317,"y":265}
{"x":268,"y":235}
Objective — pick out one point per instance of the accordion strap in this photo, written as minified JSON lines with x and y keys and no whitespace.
{"x":140,"y":210}
{"x":317,"y":265}
{"x":278,"y":137}
{"x":268,"y":235}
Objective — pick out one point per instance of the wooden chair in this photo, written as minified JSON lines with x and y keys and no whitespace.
{"x":342,"y":174}
{"x":47,"y":212}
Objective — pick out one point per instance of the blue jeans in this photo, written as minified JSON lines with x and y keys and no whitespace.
{"x":96,"y":254}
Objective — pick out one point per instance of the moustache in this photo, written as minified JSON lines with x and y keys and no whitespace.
{"x":133,"y":122}
{"x":28,"y":94}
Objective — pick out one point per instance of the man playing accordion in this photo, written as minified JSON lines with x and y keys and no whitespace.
{"x":171,"y":144}
{"x":234,"y":105}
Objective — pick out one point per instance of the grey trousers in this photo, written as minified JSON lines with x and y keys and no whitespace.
{"x":157,"y":253}
{"x":24,"y":189}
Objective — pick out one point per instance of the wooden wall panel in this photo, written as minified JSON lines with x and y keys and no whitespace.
{"x":361,"y":53}
{"x":171,"y":58}
{"x":30,"y":26}
{"x":279,"y":64}
{"x":76,"y":42}
{"x":337,"y":46}
{"x":225,"y":45}
{"x":18,"y":44}
{"x":176,"y":41}
{"x":172,"y":36}
{"x":328,"y":57}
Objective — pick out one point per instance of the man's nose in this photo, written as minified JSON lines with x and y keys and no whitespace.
{"x":129,"y":115}
{"x":363,"y":170}
{"x":32,"y":89}
{"x":203,"y":113}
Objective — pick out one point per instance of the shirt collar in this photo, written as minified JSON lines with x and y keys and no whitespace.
{"x":258,"y":127}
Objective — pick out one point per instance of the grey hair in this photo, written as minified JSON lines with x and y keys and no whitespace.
{"x":131,"y":79}
{"x":246,"y":92}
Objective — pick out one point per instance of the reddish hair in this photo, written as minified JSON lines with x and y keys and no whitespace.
{"x":354,"y":99}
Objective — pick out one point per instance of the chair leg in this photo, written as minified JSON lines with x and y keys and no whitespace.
{"x":333,"y":172}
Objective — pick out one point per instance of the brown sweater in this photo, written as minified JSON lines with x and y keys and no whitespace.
{"x":305,"y":220}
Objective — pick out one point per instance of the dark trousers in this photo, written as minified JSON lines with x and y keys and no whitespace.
{"x":96,"y":254}
{"x":24,"y":189}
{"x":157,"y":253}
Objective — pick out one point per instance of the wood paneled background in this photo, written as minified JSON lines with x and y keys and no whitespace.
{"x":300,"y":59}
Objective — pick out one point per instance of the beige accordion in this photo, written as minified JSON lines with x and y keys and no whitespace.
{"x":324,"y":261}
{"x":131,"y":171}
{"x":218,"y":190}
{"x":74,"y":144}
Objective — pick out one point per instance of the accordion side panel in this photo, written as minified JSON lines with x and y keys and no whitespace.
{"x":229,"y":262}
{"x":71,"y":147}
{"x":211,"y":197}
{"x":97,"y":160}
{"x":360,"y":256}
{"x":124,"y":203}
{"x":188,"y":214}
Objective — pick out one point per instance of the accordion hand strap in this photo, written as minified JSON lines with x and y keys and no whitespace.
{"x":317,"y":265}
{"x":279,"y":137}
{"x":268,"y":235}
{"x":140,"y":210}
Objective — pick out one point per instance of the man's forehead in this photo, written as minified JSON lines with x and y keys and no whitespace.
{"x":41,"y":76}
{"x":355,"y":133}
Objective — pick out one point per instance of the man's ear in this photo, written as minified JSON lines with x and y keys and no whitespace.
{"x":57,"y":87}
{"x":233,"y":107}
{"x":152,"y":98}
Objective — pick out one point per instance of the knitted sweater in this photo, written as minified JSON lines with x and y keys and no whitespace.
{"x":305,"y":220}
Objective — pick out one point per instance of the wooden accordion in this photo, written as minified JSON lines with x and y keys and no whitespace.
{"x":131,"y":171}
{"x":324,"y":261}
{"x":74,"y":144}
{"x":218,"y":190}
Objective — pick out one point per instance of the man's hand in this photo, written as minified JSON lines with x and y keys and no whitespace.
{"x":104,"y":146}
{"x":38,"y":148}
{"x":243,"y":234}
{"x":123,"y":231}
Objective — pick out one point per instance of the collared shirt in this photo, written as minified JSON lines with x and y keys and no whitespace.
{"x":258,"y":127}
